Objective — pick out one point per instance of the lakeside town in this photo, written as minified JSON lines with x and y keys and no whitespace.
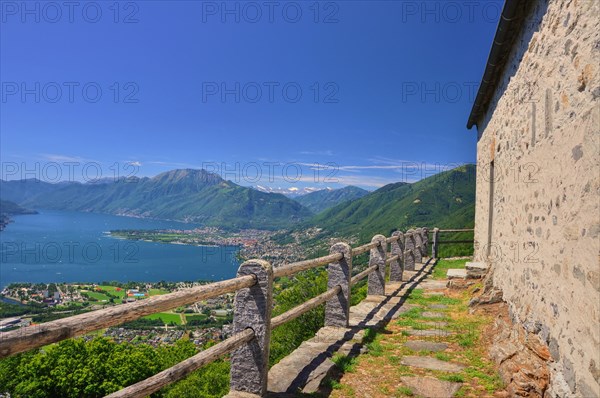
{"x":28,"y":304}
{"x":278,"y":247}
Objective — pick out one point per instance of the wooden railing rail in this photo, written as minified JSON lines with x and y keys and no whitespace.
{"x":304,"y":307}
{"x":253,"y":304}
{"x":455,"y":241}
{"x":364,"y":248}
{"x":358,"y":277}
{"x":299,"y":266}
{"x":392,"y":238}
{"x":184,"y":368}
{"x":36,"y":336}
{"x":392,"y":258}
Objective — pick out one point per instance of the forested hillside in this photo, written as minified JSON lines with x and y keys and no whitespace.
{"x":326,"y":198}
{"x":445,"y":200}
{"x":184,"y":195}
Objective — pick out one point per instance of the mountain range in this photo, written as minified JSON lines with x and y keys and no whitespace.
{"x":7,"y":209}
{"x":292,"y":192}
{"x":324,"y":199}
{"x":198,"y":196}
{"x":11,"y":208}
{"x":446,"y":199}
{"x":186,"y":195}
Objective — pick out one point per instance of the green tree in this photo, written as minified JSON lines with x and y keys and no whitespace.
{"x":212,"y":381}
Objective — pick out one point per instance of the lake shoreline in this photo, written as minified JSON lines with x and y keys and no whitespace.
{"x":64,"y":246}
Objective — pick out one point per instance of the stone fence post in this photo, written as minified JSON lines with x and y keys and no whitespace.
{"x":418,"y":245}
{"x":376,"y":281}
{"x":252,"y":309}
{"x":397,"y":266}
{"x":436,"y":242}
{"x":425,"y":242}
{"x":337,"y":309}
{"x":409,"y":247}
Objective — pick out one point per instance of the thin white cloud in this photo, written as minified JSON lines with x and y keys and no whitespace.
{"x":416,"y":164}
{"x":332,"y":165}
{"x":63,"y":158}
{"x":398,"y":166}
{"x":327,"y":152}
{"x":323,"y":182}
{"x":370,"y":181}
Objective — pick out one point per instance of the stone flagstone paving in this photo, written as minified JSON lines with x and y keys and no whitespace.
{"x":404,"y":344}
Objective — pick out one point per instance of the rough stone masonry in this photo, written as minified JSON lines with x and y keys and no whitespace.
{"x":538,"y":188}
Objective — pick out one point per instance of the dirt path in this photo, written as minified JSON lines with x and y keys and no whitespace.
{"x":435,"y":349}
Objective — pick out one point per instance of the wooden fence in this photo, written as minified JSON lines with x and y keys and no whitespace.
{"x":252,"y":322}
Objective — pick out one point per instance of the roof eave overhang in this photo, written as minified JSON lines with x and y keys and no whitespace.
{"x":508,"y":30}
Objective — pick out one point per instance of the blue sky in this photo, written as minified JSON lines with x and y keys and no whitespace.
{"x":263,"y":93}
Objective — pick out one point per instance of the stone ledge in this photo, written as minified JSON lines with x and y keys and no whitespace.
{"x":420,"y":345}
{"x":240,"y":394}
{"x":476,"y":269}
{"x":306,"y":367}
{"x":303,"y":370}
{"x":431,"y":364}
{"x":430,"y":387}
{"x":454,"y":273}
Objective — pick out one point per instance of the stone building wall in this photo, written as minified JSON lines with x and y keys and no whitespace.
{"x":542,"y":131}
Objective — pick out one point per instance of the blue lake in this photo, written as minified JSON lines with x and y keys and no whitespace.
{"x":63,"y":246}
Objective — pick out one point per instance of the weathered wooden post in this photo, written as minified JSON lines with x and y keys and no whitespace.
{"x":376,"y":281}
{"x":418,"y":245}
{"x":337,"y":309}
{"x":397,"y":249}
{"x":436,"y":243}
{"x":252,"y":309}
{"x":409,"y":247}
{"x":425,"y":242}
